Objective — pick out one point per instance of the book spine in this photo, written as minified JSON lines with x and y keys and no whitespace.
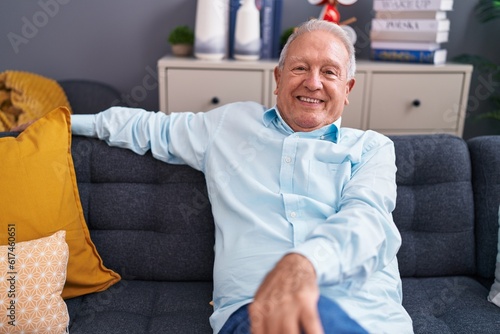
{"x":403,"y":5}
{"x":411,"y":15}
{"x":420,"y":46}
{"x":267,"y":20}
{"x":278,"y":8}
{"x":409,"y":56}
{"x":234,"y":5}
{"x":410,"y":25}
{"x":410,"y":36}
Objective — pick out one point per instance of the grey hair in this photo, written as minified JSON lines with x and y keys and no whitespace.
{"x":334,"y":29}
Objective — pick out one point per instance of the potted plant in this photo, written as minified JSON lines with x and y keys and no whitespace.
{"x":284,"y":36}
{"x":486,"y":11}
{"x":181,"y":39}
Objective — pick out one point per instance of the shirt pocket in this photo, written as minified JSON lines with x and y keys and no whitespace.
{"x":326,"y":181}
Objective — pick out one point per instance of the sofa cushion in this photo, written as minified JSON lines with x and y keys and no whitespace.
{"x":40,"y":196}
{"x":89,"y":96}
{"x":434,"y":209}
{"x":144,"y":307}
{"x":33,"y":276}
{"x":486,"y":179}
{"x":453,"y":304}
{"x":150,"y":220}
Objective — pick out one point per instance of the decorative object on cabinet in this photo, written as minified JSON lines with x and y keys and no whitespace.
{"x":247,"y":32}
{"x":211,"y":29}
{"x":285,"y":35}
{"x":329,"y":12}
{"x":181,"y":39}
{"x":391,"y":98}
{"x":409,"y":31}
{"x":270,"y":12}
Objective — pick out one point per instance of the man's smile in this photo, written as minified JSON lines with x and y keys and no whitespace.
{"x":309,"y":100}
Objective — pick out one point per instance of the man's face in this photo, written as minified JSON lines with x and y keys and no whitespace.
{"x":312,"y":89}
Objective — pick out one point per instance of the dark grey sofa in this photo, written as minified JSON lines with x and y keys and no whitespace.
{"x":152,"y":223}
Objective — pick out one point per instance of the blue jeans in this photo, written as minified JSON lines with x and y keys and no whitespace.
{"x":333,"y":319}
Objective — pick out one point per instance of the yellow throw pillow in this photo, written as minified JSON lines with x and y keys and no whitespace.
{"x":39,"y":195}
{"x":26,"y":96}
{"x":33,"y":275}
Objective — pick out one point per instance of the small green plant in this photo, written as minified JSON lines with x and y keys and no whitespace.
{"x":284,"y":36}
{"x":181,"y":35}
{"x":486,"y":11}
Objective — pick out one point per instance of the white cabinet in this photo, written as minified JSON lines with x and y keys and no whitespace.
{"x":392,"y":98}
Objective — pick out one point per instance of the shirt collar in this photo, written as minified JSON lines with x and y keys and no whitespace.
{"x":328,"y":132}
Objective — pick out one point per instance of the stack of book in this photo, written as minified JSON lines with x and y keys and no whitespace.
{"x":410,"y":30}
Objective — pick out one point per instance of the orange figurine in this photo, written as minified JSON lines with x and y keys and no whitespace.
{"x":330,"y":11}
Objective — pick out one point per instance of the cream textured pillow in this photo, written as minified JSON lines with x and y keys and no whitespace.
{"x":33,"y":276}
{"x":494,"y":295}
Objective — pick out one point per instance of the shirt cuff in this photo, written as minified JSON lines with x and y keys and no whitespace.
{"x":322,"y":256}
{"x":83,"y":125}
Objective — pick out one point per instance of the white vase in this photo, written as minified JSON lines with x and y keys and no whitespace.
{"x":211,"y":29}
{"x":247,"y":32}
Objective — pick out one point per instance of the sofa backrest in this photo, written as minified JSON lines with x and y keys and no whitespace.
{"x":89,"y":96}
{"x":485,"y":157}
{"x":152,"y":220}
{"x":434,"y":209}
{"x":149,"y":220}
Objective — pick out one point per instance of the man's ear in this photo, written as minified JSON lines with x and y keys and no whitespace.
{"x":348,"y":88}
{"x":277,"y":77}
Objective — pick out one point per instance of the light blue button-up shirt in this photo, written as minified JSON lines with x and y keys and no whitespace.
{"x":326,"y":194}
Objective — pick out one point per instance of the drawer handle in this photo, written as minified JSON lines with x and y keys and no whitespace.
{"x":215,"y":100}
{"x":416,"y":103}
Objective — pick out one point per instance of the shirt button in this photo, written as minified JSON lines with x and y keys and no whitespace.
{"x":293,"y":214}
{"x":288,"y":160}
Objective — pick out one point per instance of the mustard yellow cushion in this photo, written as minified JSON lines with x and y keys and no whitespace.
{"x":33,"y":275}
{"x":39,"y":195}
{"x":26,"y":96}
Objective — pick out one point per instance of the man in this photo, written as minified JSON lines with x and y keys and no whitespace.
{"x":305,"y":240}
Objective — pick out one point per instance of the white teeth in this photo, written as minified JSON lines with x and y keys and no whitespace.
{"x":307,"y":99}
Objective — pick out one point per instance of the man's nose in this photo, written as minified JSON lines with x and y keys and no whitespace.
{"x":313,"y":81}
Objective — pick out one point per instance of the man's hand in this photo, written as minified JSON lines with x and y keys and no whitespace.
{"x":287,"y":300}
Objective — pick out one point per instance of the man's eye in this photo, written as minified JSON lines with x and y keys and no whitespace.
{"x":299,"y":69}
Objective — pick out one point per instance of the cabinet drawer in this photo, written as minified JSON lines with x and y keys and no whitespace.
{"x":415,"y":102}
{"x":203,"y":89}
